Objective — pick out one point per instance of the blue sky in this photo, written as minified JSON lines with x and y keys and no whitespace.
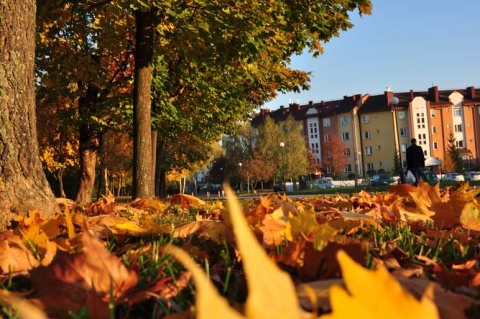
{"x":403,"y":44}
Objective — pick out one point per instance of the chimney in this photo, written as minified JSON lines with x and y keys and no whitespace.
{"x":310,"y":103}
{"x":281,"y":107}
{"x":471,"y":92}
{"x":433,"y":94}
{"x":412,"y":96}
{"x":388,"y":96}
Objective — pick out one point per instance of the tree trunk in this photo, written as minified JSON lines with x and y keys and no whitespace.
{"x":23,"y":185}
{"x":142,"y":138}
{"x":60,"y":174}
{"x":88,"y":159}
{"x":154,"y":157}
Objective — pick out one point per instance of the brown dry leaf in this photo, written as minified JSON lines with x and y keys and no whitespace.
{"x":447,"y":214}
{"x":87,"y":278}
{"x":15,"y":257}
{"x":376,"y":294}
{"x":213,"y":230}
{"x":106,"y":205}
{"x":186,"y":200}
{"x":107,"y":225}
{"x":273,"y":232}
{"x":324,"y":265}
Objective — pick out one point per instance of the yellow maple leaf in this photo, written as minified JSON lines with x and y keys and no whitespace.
{"x":376,"y":295}
{"x":305,"y":224}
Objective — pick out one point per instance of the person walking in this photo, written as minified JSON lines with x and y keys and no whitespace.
{"x":415,"y":160}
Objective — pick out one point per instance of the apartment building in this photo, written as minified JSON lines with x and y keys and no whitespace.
{"x":374,"y":128}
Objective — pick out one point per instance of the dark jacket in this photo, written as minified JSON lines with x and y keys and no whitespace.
{"x":415,"y":157}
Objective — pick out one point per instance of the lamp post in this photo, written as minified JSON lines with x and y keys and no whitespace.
{"x":240,"y":165}
{"x":394,"y":102}
{"x":282,"y":146}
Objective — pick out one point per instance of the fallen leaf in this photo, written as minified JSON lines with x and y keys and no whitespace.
{"x":15,"y":257}
{"x":208,"y":302}
{"x":376,"y":294}
{"x":88,"y":278}
{"x":186,"y":200}
{"x":265,"y":300}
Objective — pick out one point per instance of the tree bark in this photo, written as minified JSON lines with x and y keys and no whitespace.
{"x":90,"y":139}
{"x":23,"y":185}
{"x":142,"y":138}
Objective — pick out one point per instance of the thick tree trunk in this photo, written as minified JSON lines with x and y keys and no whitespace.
{"x":23,"y":185}
{"x":142,"y":138}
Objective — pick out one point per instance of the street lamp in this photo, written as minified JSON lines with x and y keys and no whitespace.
{"x":240,"y":165}
{"x":282,"y":145}
{"x":394,"y":102}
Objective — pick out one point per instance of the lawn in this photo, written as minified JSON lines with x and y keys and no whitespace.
{"x":335,"y":256}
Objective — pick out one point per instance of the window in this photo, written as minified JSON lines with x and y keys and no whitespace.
{"x":403,"y":147}
{"x":403,"y":131}
{"x":346,"y":152}
{"x":365,"y":119}
{"x":435,"y":145}
{"x":379,"y":147}
{"x":326,"y":122}
{"x":326,"y":138}
{"x":368,"y":150}
{"x":434,"y":130}
{"x":344,"y":120}
{"x":348,"y":168}
{"x":366,"y":135}
{"x":401,"y":115}
{"x":459,"y":143}
{"x":432,"y":113}
{"x":458,"y":127}
{"x":345,"y":136}
{"x":457,"y":111}
{"x":369,"y":166}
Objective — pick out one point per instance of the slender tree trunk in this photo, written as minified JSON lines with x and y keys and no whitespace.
{"x":142,"y":138}
{"x":23,"y":185}
{"x":60,"y":174}
{"x":154,"y":158}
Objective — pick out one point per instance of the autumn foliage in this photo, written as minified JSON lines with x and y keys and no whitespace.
{"x":420,"y":244}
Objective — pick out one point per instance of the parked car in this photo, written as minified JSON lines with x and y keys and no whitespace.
{"x":381,"y":180}
{"x":429,"y":177}
{"x":279,"y":187}
{"x":454,"y":177}
{"x":366,"y":182}
{"x":323,"y":183}
{"x":472,"y":176}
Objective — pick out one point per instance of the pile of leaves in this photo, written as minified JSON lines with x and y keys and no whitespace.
{"x":410,"y":252}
